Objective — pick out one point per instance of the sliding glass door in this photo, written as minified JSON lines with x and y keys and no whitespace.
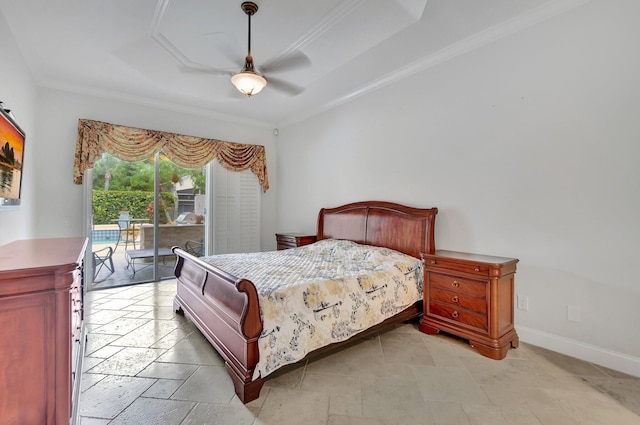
{"x":139,"y":211}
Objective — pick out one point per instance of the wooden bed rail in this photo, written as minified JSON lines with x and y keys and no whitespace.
{"x":226,"y":311}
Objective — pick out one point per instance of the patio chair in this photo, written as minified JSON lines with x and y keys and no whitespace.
{"x":103,"y":259}
{"x":194,"y":248}
{"x":127,"y":231}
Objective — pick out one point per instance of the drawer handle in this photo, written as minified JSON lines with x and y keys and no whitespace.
{"x":477,"y":269}
{"x":455,"y":299}
{"x":455,"y":283}
{"x":455,"y":314}
{"x":433,"y":261}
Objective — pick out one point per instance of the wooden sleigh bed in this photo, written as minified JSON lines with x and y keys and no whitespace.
{"x":226,"y":309}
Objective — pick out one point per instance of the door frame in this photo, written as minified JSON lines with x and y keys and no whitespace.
{"x":88,"y":223}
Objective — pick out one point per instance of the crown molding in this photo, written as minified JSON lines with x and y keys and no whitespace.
{"x":512,"y":26}
{"x":156,"y":35}
{"x":144,"y":101}
{"x":521,"y":22}
{"x":344,"y":9}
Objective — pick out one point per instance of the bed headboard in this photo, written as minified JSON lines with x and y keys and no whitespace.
{"x":399,"y":227}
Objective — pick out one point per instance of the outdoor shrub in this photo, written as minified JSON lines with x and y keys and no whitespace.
{"x":107,"y":205}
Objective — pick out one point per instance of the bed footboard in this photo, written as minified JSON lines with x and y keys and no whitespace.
{"x":225,"y":309}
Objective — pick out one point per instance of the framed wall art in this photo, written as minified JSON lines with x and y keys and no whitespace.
{"x":11,"y":160}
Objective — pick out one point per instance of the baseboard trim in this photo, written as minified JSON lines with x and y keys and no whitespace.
{"x":580,"y":350}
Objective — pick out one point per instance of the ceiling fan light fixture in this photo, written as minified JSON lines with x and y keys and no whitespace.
{"x":248,"y":82}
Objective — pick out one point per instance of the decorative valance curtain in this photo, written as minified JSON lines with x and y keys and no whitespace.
{"x":135,"y":144}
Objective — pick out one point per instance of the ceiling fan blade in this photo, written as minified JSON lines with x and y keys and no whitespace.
{"x":197,"y":68}
{"x":283,"y":86}
{"x":290,"y":62}
{"x":226,"y":47}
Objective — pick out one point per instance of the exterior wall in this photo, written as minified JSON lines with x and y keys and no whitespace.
{"x":171,"y":235}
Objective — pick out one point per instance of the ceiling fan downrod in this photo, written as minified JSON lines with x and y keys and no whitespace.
{"x":250,"y":8}
{"x":248,"y":81}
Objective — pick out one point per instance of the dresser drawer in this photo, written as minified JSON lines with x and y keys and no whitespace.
{"x":286,"y":245}
{"x":476,"y":288}
{"x":286,"y":239}
{"x":472,"y":268}
{"x":477,"y":320}
{"x":293,"y":240}
{"x":76,"y":307}
{"x":455,"y":299}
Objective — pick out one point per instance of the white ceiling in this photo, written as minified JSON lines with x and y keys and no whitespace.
{"x":179,"y":53}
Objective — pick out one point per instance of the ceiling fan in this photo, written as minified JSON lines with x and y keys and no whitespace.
{"x":250,"y":82}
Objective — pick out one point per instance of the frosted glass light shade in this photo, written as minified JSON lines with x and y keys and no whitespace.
{"x":248,"y":82}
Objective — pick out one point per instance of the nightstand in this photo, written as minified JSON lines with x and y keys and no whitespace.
{"x":293,"y":240}
{"x":471,"y":296}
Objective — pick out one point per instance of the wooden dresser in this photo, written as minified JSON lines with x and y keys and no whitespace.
{"x":293,"y":240}
{"x":41,"y":332}
{"x":471,"y":296}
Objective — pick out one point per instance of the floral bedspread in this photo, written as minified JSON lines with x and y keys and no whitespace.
{"x":322,"y":293}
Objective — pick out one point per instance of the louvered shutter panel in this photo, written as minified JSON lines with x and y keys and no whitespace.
{"x":237,"y":211}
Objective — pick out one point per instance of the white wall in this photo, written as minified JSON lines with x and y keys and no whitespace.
{"x":60,"y":202}
{"x":18,"y":92}
{"x":529,"y":148}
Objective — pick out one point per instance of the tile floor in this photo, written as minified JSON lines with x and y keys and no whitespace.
{"x":123,"y":274}
{"x":146,"y":365}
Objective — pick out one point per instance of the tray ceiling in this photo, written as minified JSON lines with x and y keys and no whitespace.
{"x":180,"y":53}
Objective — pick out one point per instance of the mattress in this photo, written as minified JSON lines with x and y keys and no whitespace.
{"x":322,"y":293}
